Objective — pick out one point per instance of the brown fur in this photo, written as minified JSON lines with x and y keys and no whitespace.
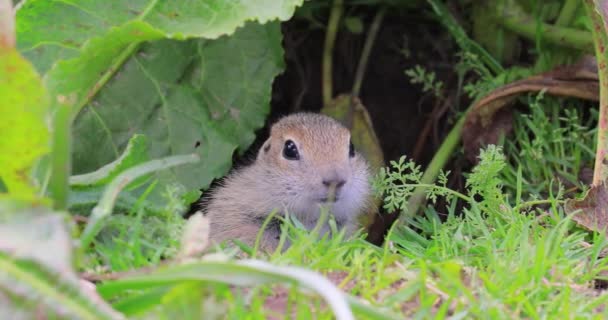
{"x":246,"y":197}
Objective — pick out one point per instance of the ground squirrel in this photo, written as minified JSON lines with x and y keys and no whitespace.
{"x":305,"y":159}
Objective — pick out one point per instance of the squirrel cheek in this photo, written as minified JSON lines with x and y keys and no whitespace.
{"x":287,"y":167}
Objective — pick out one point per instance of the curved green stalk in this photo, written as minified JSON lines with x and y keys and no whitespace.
{"x":517,"y":21}
{"x":328,"y":50}
{"x":367,"y":48}
{"x":239,"y":273}
{"x":106,"y":204}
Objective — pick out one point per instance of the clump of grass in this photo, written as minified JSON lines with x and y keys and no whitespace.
{"x":551,"y":144}
{"x":138,"y":238}
{"x":482,"y":79}
{"x":134,"y":241}
{"x":494,"y":261}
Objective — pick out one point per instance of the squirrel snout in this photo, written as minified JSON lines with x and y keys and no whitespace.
{"x":333,"y":189}
{"x":333,"y":179}
{"x":333,"y":186}
{"x":337,"y":182}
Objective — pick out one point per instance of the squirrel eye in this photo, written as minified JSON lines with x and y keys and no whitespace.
{"x":351,"y":150}
{"x":290,"y":151}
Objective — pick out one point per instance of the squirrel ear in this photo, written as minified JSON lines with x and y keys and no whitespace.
{"x":265,"y":148}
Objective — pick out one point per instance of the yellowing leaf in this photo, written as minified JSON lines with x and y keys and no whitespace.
{"x":23,"y":106}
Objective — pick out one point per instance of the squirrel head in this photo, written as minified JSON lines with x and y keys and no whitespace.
{"x":309,"y":161}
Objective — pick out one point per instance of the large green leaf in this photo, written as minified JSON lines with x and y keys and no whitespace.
{"x":50,"y":31}
{"x":83,"y":42}
{"x":113,"y":62}
{"x":23,"y":107}
{"x":180,"y":95}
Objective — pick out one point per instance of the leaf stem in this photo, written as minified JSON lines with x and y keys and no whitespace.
{"x":439,"y":160}
{"x":367,"y":48}
{"x":516,"y":20}
{"x":535,"y":202}
{"x":600,"y":171}
{"x":436,"y":187}
{"x":61,"y":163}
{"x":107,"y":75}
{"x":328,"y":49}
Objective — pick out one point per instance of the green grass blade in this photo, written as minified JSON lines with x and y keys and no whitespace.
{"x":105,"y":205}
{"x":461,"y":37}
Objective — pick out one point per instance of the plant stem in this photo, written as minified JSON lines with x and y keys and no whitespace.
{"x":436,"y":187}
{"x":560,"y":55}
{"x":106,"y":76}
{"x":362,"y":66}
{"x":328,"y":49}
{"x":437,"y":163}
{"x":515,"y":20}
{"x":535,"y":202}
{"x":61,"y":163}
{"x":600,"y":171}
{"x":567,"y":13}
{"x":452,"y":140}
{"x":367,"y":48}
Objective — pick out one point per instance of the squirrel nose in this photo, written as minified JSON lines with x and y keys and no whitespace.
{"x":338,"y":182}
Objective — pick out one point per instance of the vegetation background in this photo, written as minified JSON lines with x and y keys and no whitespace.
{"x":114,"y":114}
